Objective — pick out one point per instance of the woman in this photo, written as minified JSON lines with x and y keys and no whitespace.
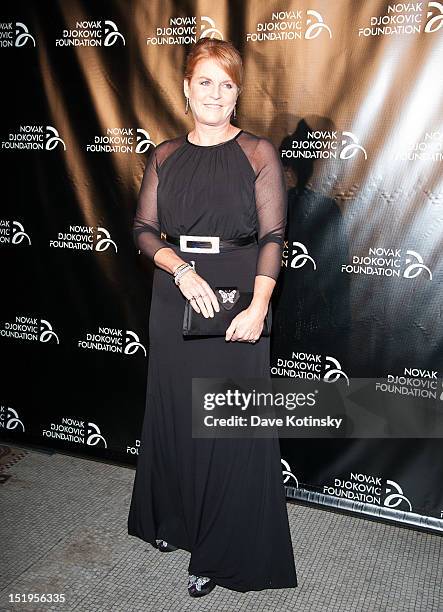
{"x":220,"y":499}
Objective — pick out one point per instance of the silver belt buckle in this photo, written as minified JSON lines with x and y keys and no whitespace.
{"x":214,"y":240}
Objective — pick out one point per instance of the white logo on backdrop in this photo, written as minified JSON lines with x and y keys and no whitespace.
{"x":301,"y":256}
{"x":143,"y":141}
{"x":132,"y":343}
{"x":417,"y":267}
{"x":91,"y":34}
{"x":33,"y":137}
{"x":9,"y":419}
{"x":133,"y":450}
{"x":185,"y":31}
{"x":309,"y":366}
{"x":18,"y":233}
{"x":350,"y":150}
{"x":208,"y":29}
{"x":15,"y":34}
{"x":112,"y":340}
{"x":84,"y":238}
{"x":435,"y":21}
{"x":383,"y":261}
{"x":94,"y":436}
{"x":12,"y":232}
{"x":104,"y":243}
{"x":395,"y":498}
{"x":415,"y":382}
{"x":286,"y":472}
{"x":53,"y":138}
{"x":402,"y":18}
{"x":333,"y":370}
{"x":289,"y":25}
{"x":46,"y":332}
{"x":112,"y":35}
{"x":121,"y":140}
{"x":23,"y":35}
{"x":316,"y":27}
{"x":324,"y":144}
{"x":428,"y":147}
{"x":29,"y":328}
{"x":368,"y":489}
{"x":75,"y":431}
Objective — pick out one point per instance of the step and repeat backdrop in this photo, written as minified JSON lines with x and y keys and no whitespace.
{"x":351,"y":95}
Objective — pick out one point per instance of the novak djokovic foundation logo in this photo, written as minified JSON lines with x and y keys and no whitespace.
{"x":288,"y":476}
{"x":121,"y":140}
{"x":415,"y":382}
{"x":309,"y":366}
{"x":405,"y":18}
{"x":184,"y":31}
{"x":379,"y":261}
{"x":75,"y":430}
{"x":10,"y":419}
{"x":428,"y":148}
{"x":133,"y":450}
{"x":382,"y":261}
{"x":29,"y":328}
{"x":113,"y":340}
{"x":15,"y":34}
{"x":13,"y":232}
{"x":84,"y":238}
{"x":101,"y":33}
{"x":34,"y":137}
{"x":371,"y":490}
{"x":290,"y":25}
{"x":325,"y":144}
{"x":297,"y":256}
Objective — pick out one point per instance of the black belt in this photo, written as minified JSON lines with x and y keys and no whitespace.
{"x":207,"y":243}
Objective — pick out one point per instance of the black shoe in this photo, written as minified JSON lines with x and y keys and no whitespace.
{"x":200,"y":585}
{"x":164,"y":546}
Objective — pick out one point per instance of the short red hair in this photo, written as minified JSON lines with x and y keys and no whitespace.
{"x":223,"y":52}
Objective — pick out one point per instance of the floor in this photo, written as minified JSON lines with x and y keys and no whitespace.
{"x":63,"y":531}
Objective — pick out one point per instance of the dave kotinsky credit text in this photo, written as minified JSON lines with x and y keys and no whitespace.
{"x":256,"y":400}
{"x":252,"y":407}
{"x":296,"y":408}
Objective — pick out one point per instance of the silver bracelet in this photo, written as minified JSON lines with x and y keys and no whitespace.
{"x":179,"y":274}
{"x":183,"y":265}
{"x":184,"y":268}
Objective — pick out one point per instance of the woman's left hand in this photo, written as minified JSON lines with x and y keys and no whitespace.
{"x":247,"y":325}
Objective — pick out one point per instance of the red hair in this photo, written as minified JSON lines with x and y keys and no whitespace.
{"x":223,"y":52}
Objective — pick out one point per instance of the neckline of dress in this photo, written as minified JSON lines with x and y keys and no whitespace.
{"x":218,"y":144}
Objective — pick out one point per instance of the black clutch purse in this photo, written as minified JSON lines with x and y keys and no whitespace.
{"x":231,"y":302}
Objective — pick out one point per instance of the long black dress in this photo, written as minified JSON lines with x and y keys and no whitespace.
{"x":220,"y":499}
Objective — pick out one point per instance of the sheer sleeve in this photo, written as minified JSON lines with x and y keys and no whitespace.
{"x":271,"y":206}
{"x":146,"y":226}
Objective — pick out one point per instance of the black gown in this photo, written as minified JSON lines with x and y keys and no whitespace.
{"x":222,"y":500}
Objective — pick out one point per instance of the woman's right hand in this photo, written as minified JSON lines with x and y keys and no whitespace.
{"x":199,"y":293}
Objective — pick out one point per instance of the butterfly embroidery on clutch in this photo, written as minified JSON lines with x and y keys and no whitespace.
{"x":228,"y":296}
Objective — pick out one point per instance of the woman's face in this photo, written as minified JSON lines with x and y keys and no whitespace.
{"x":212,"y":93}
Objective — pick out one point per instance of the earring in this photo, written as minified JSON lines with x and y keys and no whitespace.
{"x":235,"y":114}
{"x":187,"y":106}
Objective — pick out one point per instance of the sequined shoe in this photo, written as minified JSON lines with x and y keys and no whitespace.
{"x":200,"y":585}
{"x":164,"y":546}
